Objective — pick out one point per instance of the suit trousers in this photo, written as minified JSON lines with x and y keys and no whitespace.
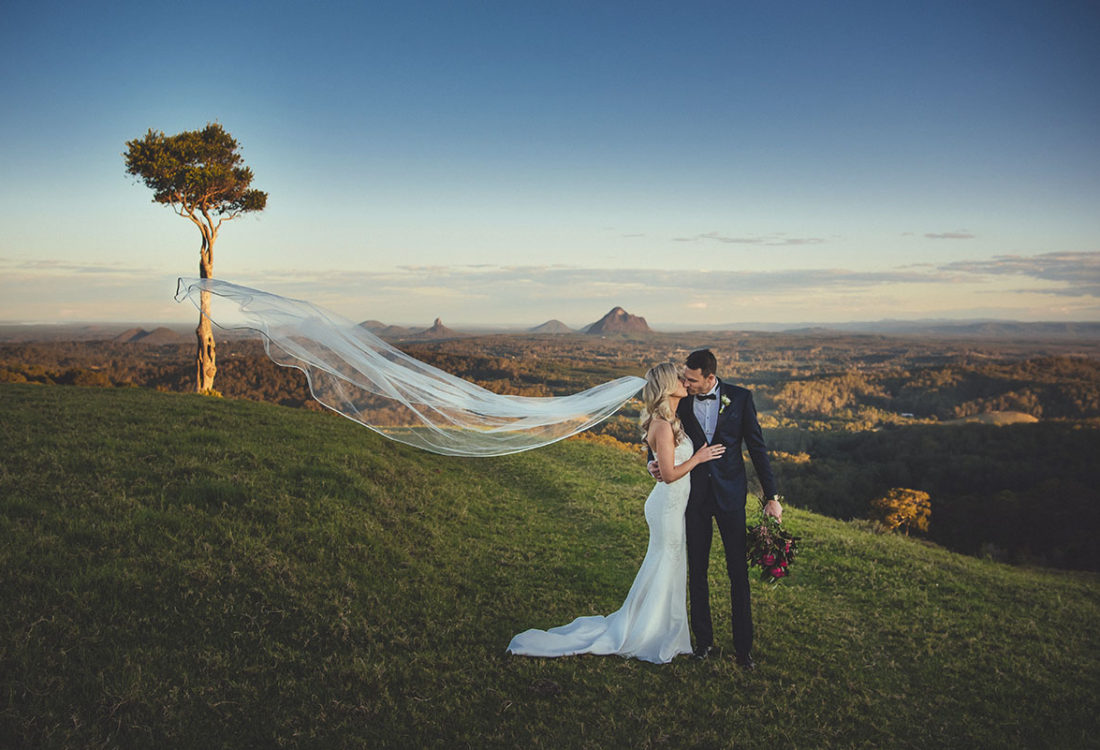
{"x":731,"y":525}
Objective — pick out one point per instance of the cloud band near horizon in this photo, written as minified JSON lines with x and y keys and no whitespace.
{"x":515,"y":290}
{"x":1077,"y":273}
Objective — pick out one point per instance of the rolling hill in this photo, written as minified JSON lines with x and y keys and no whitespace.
{"x":157,"y":337}
{"x":183,"y":571}
{"x":551,"y":326}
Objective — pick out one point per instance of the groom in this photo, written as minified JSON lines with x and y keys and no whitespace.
{"x":716,"y":412}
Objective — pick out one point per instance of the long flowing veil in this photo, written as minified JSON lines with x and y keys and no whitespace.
{"x":357,"y":374}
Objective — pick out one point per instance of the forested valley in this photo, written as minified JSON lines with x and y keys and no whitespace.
{"x":1002,"y":436}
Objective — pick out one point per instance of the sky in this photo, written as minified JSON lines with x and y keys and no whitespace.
{"x":511,"y":162}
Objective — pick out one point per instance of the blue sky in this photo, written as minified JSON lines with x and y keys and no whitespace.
{"x":511,"y":162}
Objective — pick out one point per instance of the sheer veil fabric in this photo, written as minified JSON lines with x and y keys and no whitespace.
{"x":357,"y":374}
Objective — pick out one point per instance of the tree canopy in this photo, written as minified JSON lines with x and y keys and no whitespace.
{"x":196,"y":171}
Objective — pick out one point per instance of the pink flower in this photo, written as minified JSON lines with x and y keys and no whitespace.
{"x":782,"y":563}
{"x":767,"y":560}
{"x":777,"y":572}
{"x":787,"y":548}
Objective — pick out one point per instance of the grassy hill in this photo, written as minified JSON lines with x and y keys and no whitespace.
{"x":181,"y":571}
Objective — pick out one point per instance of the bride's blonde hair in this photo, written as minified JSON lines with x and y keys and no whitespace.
{"x":660,"y":381}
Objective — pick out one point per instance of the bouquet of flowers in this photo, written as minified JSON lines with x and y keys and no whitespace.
{"x":770,"y":547}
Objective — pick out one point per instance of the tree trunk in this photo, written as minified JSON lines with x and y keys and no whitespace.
{"x":205,"y":367}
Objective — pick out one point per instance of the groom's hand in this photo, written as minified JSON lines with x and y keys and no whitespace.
{"x":654,"y":470}
{"x":774,"y":509}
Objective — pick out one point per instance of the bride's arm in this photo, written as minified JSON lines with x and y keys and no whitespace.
{"x":661,"y":440}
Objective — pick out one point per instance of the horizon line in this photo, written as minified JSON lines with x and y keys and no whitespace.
{"x":656,"y":327}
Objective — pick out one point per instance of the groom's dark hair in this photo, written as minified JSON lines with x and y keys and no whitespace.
{"x":704,"y":361}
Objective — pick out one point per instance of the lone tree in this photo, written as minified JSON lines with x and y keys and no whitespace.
{"x":903,"y":508}
{"x":200,"y":175}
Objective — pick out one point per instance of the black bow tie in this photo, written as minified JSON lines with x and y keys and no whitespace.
{"x":708,"y":397}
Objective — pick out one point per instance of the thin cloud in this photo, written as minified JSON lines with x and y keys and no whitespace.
{"x":1074,"y":277}
{"x":50,"y":267}
{"x":579,"y":283}
{"x":1077,"y":290}
{"x":961,"y":235}
{"x":1078,"y":275}
{"x":776,"y":240}
{"x":1079,"y":272}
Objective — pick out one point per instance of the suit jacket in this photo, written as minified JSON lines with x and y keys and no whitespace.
{"x":725,"y":476}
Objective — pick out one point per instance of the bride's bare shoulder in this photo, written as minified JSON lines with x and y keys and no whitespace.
{"x":657,"y":428}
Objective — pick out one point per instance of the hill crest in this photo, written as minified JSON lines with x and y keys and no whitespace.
{"x":157,"y":336}
{"x":250,"y":555}
{"x":551,"y":326}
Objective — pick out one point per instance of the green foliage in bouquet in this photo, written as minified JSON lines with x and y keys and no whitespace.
{"x":770,"y":547}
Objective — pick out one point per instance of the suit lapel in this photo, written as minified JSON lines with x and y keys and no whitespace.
{"x":721,"y":408}
{"x":731,"y":411}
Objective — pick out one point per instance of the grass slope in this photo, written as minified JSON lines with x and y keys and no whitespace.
{"x":192,"y":572}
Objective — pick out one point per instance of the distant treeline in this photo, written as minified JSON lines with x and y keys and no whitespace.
{"x":1059,"y":387}
{"x":1048,"y":387}
{"x":244,"y":370}
{"x":1024,"y":493}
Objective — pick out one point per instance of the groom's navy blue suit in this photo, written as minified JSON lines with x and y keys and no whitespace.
{"x":718,"y":491}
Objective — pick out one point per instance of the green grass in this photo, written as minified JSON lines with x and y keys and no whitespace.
{"x":181,"y":571}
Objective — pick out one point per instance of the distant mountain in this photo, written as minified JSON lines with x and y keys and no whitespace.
{"x":929,"y":327}
{"x":438,"y":331}
{"x":618,"y":320}
{"x":551,"y":326}
{"x":982,"y":329}
{"x":122,"y":333}
{"x":1015,"y":329}
{"x":130,"y":335}
{"x":156,"y":337}
{"x":381,"y":330}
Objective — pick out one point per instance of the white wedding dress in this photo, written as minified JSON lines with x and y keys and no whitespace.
{"x":652,"y":624}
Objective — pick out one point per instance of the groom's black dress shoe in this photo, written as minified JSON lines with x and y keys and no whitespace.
{"x":702,"y":652}
{"x":745,"y":662}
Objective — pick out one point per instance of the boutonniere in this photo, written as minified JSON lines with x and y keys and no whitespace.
{"x":725,"y":402}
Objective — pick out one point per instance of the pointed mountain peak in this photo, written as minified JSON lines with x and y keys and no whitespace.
{"x":438,"y":331}
{"x":619,"y":320}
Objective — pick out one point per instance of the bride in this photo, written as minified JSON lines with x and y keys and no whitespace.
{"x":652,"y":624}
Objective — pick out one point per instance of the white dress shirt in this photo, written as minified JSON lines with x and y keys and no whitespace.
{"x":706,"y":411}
